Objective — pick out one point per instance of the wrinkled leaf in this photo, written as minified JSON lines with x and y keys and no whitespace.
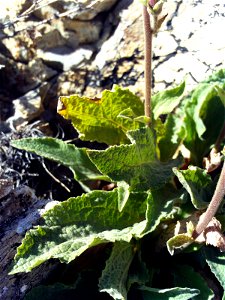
{"x":216,"y":261}
{"x":159,"y":206}
{"x":176,"y":293}
{"x":100,"y":119}
{"x":136,"y":164}
{"x":186,"y":276}
{"x":172,"y":137}
{"x":114,"y":276}
{"x":79,"y":223}
{"x":196,"y":182}
{"x":66,"y":154}
{"x":204,"y":116}
{"x":179,"y":241}
{"x":123,"y":194}
{"x":166,"y":101}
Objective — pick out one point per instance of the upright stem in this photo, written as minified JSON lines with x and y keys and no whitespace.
{"x":213,"y":206}
{"x":220,"y":138}
{"x":148,"y":60}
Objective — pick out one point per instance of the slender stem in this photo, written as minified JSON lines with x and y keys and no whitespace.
{"x":220,"y":138}
{"x":148,"y":60}
{"x":213,"y":206}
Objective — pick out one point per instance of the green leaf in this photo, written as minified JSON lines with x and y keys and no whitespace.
{"x":204,"y":116}
{"x":179,"y":241}
{"x":196,"y":181}
{"x":159,"y":206}
{"x":166,"y":101}
{"x":114,"y":276}
{"x":221,"y":94}
{"x":138,"y":272}
{"x":57,"y":291}
{"x":172,"y":136}
{"x":79,"y":223}
{"x":176,"y":293}
{"x":66,"y":154}
{"x":186,"y":276}
{"x":136,"y":164}
{"x":123,"y":194}
{"x":100,"y":119}
{"x":216,"y":262}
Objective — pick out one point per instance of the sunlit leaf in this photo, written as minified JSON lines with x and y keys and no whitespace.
{"x":196,"y":181}
{"x":114,"y":276}
{"x":79,"y":223}
{"x":166,"y":101}
{"x":66,"y":154}
{"x":136,"y":164}
{"x":101,"y":119}
{"x":176,"y":293}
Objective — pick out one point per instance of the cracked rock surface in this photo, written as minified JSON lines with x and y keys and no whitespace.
{"x":85,"y":47}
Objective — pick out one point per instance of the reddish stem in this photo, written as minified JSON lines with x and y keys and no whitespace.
{"x":213,"y":205}
{"x":148,"y":60}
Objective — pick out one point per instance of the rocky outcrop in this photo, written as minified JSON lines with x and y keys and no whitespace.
{"x":88,"y":46}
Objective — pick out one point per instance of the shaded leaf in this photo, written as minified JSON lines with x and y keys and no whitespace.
{"x":136,"y":164}
{"x":196,"y":182}
{"x":100,"y":119}
{"x":166,"y":101}
{"x":186,"y":276}
{"x":204,"y":116}
{"x":176,"y":293}
{"x":57,"y":291}
{"x":216,"y":261}
{"x":66,"y":154}
{"x":172,"y":137}
{"x":114,"y":276}
{"x":159,"y":207}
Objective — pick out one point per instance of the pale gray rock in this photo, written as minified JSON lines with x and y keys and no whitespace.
{"x":65,"y":59}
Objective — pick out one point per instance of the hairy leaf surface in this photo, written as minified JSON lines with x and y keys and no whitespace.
{"x":216,"y":262}
{"x":114,"y":276}
{"x":79,"y":223}
{"x":66,"y":154}
{"x":164,"y":102}
{"x":100,"y":119}
{"x":204,"y":116}
{"x":186,"y":276}
{"x":136,"y":163}
{"x":196,"y":181}
{"x":176,"y":293}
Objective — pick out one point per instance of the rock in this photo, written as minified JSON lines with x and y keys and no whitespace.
{"x":65,"y":59}
{"x":85,"y":9}
{"x":72,"y":82}
{"x":50,"y":36}
{"x":26,"y":108}
{"x":86,"y":31}
{"x":20,"y":47}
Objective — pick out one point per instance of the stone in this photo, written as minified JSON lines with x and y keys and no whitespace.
{"x":50,"y":36}
{"x":85,"y":9}
{"x":65,"y":59}
{"x":26,"y":108}
{"x":72,"y":82}
{"x":20,"y":47}
{"x":86,"y":31}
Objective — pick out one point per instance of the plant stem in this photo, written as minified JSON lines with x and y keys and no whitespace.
{"x":213,"y":205}
{"x":220,"y":138}
{"x":148,"y":61}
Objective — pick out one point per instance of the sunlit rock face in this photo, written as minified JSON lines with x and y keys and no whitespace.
{"x":86,"y":46}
